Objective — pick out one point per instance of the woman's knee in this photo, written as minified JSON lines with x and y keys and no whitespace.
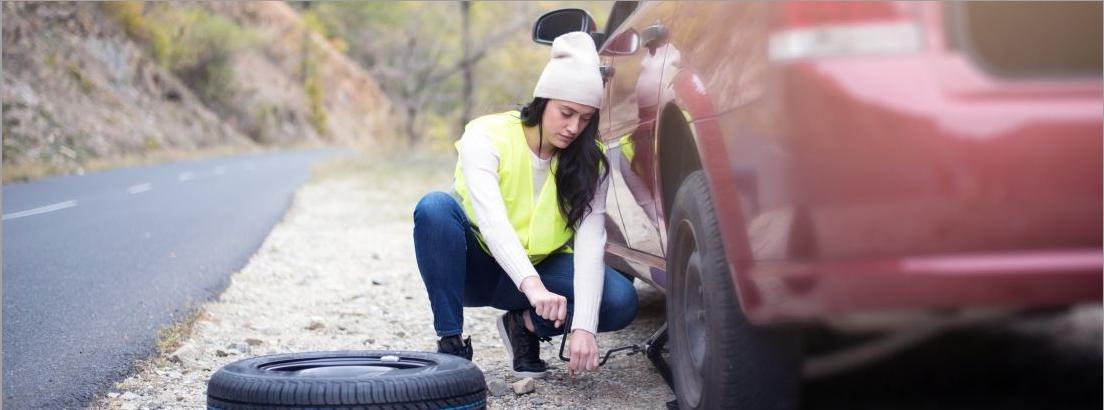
{"x":619,"y":303}
{"x":435,"y":206}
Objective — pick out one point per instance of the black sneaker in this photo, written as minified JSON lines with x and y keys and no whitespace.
{"x":522,"y":346}
{"x":455,"y":346}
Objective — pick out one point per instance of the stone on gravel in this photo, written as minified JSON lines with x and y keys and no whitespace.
{"x":254,"y":342}
{"x":316,"y":325}
{"x":240,"y":347}
{"x":129,"y":396}
{"x":524,"y":386}
{"x":187,"y":355}
{"x":497,"y":387}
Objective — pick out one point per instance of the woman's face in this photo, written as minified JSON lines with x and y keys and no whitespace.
{"x":564,"y":120}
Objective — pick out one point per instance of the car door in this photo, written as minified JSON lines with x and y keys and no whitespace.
{"x":634,"y":92}
{"x":615,"y":236}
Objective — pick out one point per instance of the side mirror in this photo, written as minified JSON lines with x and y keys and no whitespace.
{"x":558,"y":22}
{"x":626,"y":43}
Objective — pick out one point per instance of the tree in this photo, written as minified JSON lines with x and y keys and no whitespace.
{"x":417,"y":56}
{"x":465,"y":61}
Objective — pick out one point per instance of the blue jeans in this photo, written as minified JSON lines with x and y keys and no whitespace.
{"x":457,"y":272}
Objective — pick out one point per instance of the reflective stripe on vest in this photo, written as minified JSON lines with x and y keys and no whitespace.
{"x":541,"y":227}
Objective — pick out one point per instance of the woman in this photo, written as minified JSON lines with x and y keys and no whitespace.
{"x":524,"y":229}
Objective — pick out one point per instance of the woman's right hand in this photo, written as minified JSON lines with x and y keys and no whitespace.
{"x":548,"y":305}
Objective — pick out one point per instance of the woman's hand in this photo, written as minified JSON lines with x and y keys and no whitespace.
{"x":546,"y":304}
{"x":583,"y":352}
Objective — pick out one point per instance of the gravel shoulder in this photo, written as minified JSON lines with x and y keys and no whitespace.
{"x":338,"y":273}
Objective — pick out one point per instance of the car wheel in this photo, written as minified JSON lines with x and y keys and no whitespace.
{"x":348,"y":379}
{"x":719,"y":360}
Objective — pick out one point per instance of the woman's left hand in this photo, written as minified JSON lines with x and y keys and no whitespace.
{"x":583,"y":352}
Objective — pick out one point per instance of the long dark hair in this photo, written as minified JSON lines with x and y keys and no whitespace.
{"x":579,"y":165}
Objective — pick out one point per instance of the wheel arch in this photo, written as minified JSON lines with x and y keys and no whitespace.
{"x":689,"y":138}
{"x":677,"y":152}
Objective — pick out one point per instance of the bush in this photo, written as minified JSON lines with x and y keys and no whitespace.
{"x":191,"y":42}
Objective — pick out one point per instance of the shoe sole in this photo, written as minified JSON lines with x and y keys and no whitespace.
{"x":510,"y":352}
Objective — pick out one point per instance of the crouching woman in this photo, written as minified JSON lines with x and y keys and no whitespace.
{"x":524,"y":228}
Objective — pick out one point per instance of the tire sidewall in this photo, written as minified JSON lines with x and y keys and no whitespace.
{"x":744,"y":365}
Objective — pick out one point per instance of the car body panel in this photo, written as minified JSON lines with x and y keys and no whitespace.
{"x":842,"y":184}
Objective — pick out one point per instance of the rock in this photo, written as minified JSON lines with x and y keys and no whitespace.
{"x":537,"y":401}
{"x":241,"y":347}
{"x":315,"y":325}
{"x":524,"y":386}
{"x":254,"y":342}
{"x":25,"y":94}
{"x":221,"y":353}
{"x":375,"y":256}
{"x":112,"y":394}
{"x":129,"y":396}
{"x":369,"y":341}
{"x":497,"y":387}
{"x":617,"y":365}
{"x":187,"y":355}
{"x":377,"y":283}
{"x":129,"y":406}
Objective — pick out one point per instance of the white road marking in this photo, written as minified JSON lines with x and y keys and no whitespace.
{"x":185,"y":176}
{"x":40,"y":210}
{"x":139,"y":188}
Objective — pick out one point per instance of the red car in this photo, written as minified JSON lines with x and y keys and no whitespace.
{"x":888,"y":166}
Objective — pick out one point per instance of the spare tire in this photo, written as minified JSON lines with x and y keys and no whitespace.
{"x":348,"y":380}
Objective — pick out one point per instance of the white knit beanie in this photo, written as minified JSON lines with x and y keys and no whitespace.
{"x":572,"y":74}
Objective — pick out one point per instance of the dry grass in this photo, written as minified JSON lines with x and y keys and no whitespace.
{"x":388,"y":163}
{"x":170,"y":338}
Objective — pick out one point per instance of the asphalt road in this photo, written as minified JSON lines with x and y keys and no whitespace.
{"x":94,"y":265}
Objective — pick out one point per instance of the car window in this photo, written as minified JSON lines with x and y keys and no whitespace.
{"x":621,"y":10}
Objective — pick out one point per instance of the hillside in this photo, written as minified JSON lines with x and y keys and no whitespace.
{"x":92,"y":86}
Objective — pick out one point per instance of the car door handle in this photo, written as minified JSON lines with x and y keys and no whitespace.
{"x":607,"y":71}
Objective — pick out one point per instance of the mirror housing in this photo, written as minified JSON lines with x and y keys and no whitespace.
{"x":558,"y":22}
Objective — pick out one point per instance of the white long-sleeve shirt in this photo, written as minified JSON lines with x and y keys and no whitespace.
{"x":479,"y":163}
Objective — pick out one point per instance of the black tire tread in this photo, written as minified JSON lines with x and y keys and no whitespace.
{"x":469,"y":401}
{"x":454,"y":382}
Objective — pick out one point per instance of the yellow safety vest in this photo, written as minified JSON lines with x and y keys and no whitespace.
{"x":628,"y":149}
{"x":540,"y":226}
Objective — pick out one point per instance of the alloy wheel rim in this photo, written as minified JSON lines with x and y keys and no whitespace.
{"x":350,"y":366}
{"x":692,"y":330}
